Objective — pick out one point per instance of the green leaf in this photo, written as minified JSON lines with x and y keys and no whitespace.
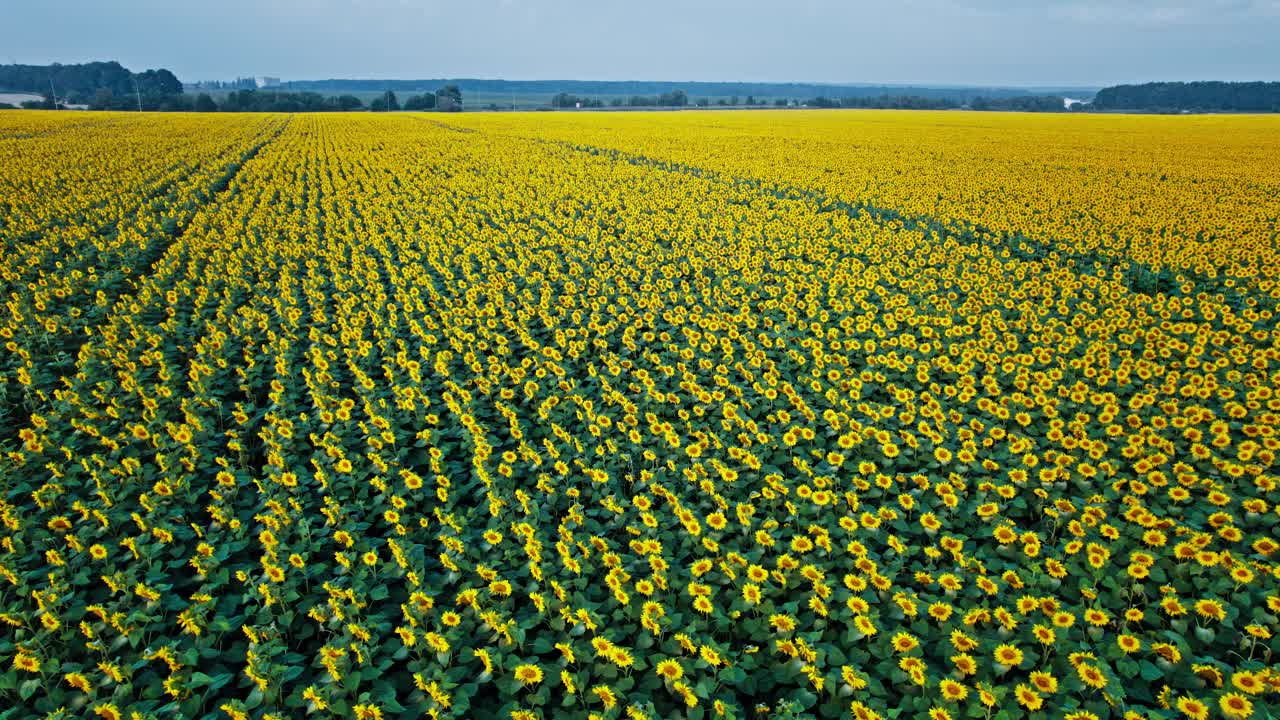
{"x":254,"y":700}
{"x":805,"y":698}
{"x":220,"y":680}
{"x":28,"y":688}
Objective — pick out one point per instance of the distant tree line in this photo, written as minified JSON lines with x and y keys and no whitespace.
{"x":678,"y":98}
{"x":565,"y":100}
{"x":626,"y":89}
{"x":1021,"y":103}
{"x":274,"y":101}
{"x":734,"y":101}
{"x":95,"y":83}
{"x":446,"y":98}
{"x":885,"y":102}
{"x":674,"y":98}
{"x":1027,"y":103}
{"x":258,"y":101}
{"x":1191,"y":96}
{"x":239,"y":83}
{"x":110,"y":86}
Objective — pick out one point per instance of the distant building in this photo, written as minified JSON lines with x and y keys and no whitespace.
{"x":264,"y":81}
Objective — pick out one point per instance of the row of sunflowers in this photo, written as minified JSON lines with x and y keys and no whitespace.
{"x":696,"y":415}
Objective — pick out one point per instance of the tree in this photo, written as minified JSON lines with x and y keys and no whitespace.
{"x":1175,"y":96}
{"x":204,"y":103}
{"x":449,"y":98}
{"x":426,"y":101}
{"x":75,"y":83}
{"x":386,"y":103}
{"x":103,"y":99}
{"x":158,"y":82}
{"x":675,"y":98}
{"x":565,"y":100}
{"x":275,"y":101}
{"x":452,"y":91}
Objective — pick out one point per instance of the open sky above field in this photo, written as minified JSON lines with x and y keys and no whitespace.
{"x":992,"y":42}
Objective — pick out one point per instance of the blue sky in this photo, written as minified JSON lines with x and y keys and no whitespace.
{"x":985,"y":42}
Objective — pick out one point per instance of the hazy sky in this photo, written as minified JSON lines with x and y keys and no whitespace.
{"x":1012,"y":42}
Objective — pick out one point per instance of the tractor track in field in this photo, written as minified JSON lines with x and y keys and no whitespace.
{"x":65,"y":359}
{"x":1140,"y":278}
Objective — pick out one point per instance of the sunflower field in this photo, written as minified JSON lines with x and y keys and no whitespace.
{"x":639,"y":415}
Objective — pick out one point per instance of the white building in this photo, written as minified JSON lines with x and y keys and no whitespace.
{"x":264,"y":81}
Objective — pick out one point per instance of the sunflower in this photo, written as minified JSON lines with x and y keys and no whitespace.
{"x":1210,"y":610}
{"x":710,"y":656}
{"x":903,"y":642}
{"x":865,"y":625}
{"x":965,"y":664}
{"x":528,"y":675}
{"x":670,"y":670}
{"x":1091,"y":676}
{"x":1028,"y":698}
{"x":1241,"y":574}
{"x":782,"y":623}
{"x":1008,"y":655}
{"x":26,"y":662}
{"x":1044,"y":634}
{"x":1129,"y":643}
{"x":1248,"y":682}
{"x":78,"y":681}
{"x":1193,"y":708}
{"x":862,"y":712}
{"x":952,"y":691}
{"x":1235,"y":706}
{"x":605,"y":694}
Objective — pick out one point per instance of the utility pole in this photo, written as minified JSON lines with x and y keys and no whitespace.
{"x":53,"y":93}
{"x":136,"y":91}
